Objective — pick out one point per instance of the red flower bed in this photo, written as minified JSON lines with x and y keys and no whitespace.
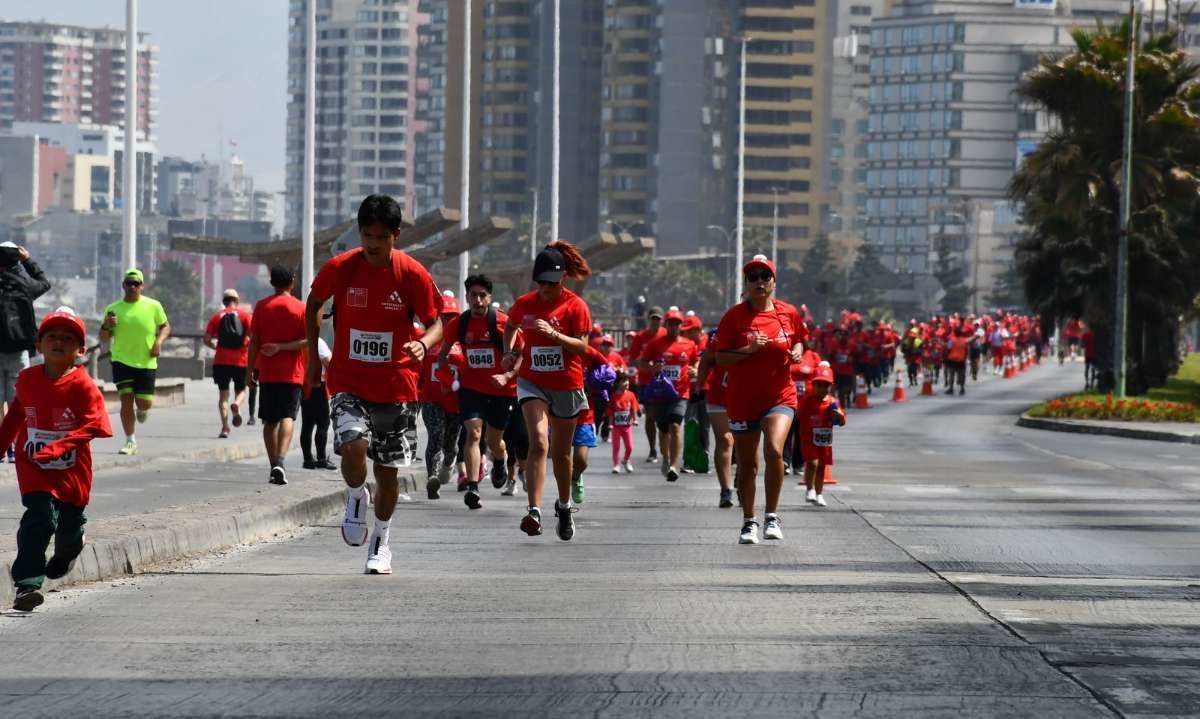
{"x":1130,"y":410}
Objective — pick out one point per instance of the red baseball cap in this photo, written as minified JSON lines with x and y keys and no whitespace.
{"x":449,"y":304}
{"x":65,"y":318}
{"x":607,"y":339}
{"x":673,"y":314}
{"x":824,"y":373}
{"x":759,"y":261}
{"x":692,"y":322}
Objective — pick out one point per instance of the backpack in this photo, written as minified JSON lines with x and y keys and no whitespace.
{"x":17,"y":324}
{"x":493,"y":329}
{"x":231,"y":333}
{"x":660,"y":389}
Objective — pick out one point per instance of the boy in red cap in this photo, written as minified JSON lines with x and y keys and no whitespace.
{"x":57,"y":412}
{"x":819,"y":413}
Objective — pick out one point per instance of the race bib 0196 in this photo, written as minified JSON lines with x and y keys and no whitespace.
{"x":546,"y":359}
{"x":822,"y":437}
{"x":36,"y":441}
{"x":481,"y":358}
{"x":374,"y":347}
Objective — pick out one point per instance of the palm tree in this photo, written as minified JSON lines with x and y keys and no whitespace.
{"x":1070,"y":189}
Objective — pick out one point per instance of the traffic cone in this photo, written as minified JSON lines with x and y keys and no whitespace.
{"x":861,"y":401}
{"x":1009,"y":373}
{"x":898,"y":394}
{"x":829,"y":476}
{"x":926,"y":384}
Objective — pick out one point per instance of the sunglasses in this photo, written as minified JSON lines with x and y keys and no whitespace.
{"x":132,"y":283}
{"x":759,"y":275}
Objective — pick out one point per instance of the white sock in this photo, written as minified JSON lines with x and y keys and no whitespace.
{"x":358,"y":492}
{"x":770,"y":515}
{"x":533,"y":509}
{"x":383,"y":529}
{"x":131,"y":438}
{"x":564,"y":505}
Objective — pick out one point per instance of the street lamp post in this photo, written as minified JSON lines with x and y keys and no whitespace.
{"x":464,"y":258}
{"x":775,"y":228}
{"x":129,"y":236}
{"x":1122,"y":309}
{"x":729,"y":270}
{"x":741,"y":174}
{"x":307,"y":215}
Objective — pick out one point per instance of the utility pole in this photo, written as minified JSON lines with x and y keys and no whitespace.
{"x":307,"y":219}
{"x":130,"y":191}
{"x":533,"y":227}
{"x":741,"y":179}
{"x":556,"y":128}
{"x":775,"y":229}
{"x":464,"y":259}
{"x":1121,"y":320}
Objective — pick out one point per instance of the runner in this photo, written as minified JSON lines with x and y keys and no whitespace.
{"x":957,"y":347}
{"x":819,"y":413}
{"x":228,"y":332}
{"x":654,"y":330}
{"x":380,"y":293}
{"x":137,"y":327}
{"x":314,"y":416}
{"x":276,"y":361}
{"x":440,"y":407}
{"x":618,"y":363}
{"x":487,"y":394}
{"x":622,"y":413}
{"x":758,"y":340}
{"x":712,"y":377}
{"x":672,"y":357}
{"x":841,"y":358}
{"x":554,"y":322}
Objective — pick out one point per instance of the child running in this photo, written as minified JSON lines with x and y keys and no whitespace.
{"x":622,"y":413}
{"x":819,"y":414}
{"x":56,"y":414}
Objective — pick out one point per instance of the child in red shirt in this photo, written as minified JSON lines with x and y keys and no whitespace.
{"x":819,"y":413}
{"x":57,"y":412}
{"x":622,"y":413}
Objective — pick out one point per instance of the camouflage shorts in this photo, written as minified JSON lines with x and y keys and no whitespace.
{"x":384,"y":426}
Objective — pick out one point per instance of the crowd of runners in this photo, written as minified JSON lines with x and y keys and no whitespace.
{"x":512,"y":396}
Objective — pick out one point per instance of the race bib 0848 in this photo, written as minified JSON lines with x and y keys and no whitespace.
{"x":481,"y":358}
{"x":546,"y":359}
{"x":375,"y":347}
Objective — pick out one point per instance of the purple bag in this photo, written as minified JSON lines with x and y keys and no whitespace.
{"x":600,"y":380}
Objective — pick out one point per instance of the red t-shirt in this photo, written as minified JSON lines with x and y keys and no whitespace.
{"x":482,"y":358}
{"x":676,"y":355}
{"x":638,"y":346}
{"x":433,"y":389}
{"x":545,"y":362}
{"x":375,"y":308}
{"x":592,"y":358}
{"x":623,"y":409}
{"x":841,"y":358}
{"x":715,"y":384}
{"x":69,"y":409}
{"x":280,"y":318}
{"x":225,"y":355}
{"x":816,"y":427}
{"x":617,"y":361}
{"x":802,"y":373}
{"x":761,"y":380}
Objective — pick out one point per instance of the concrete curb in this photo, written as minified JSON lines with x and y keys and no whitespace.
{"x":132,"y":545}
{"x":1082,"y":427}
{"x":221,"y":453}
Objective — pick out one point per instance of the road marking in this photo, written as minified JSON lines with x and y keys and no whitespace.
{"x":918,"y":489}
{"x":1018,"y":615}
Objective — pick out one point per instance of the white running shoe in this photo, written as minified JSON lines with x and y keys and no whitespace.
{"x":821,"y":500}
{"x":354,"y":525}
{"x":811,"y":496}
{"x":749,"y":533}
{"x":379,"y":561}
{"x":772,"y":529}
{"x":628,"y":467}
{"x":510,"y":488}
{"x":616,"y":469}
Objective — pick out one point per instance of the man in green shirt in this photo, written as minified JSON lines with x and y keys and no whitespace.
{"x":136,"y":327}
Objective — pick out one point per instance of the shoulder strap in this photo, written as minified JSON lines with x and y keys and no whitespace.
{"x":493,"y":321}
{"x":463,"y":319}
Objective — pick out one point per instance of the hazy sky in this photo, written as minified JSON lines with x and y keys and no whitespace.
{"x":222,"y":72}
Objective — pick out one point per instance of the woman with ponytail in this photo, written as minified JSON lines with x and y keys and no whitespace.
{"x":554,"y":323}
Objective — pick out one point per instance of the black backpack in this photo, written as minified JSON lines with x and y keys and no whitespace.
{"x":17,"y":323}
{"x":231,"y":334}
{"x":493,"y":330}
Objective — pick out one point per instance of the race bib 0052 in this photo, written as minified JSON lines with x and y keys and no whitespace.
{"x":546,"y":359}
{"x":36,"y":441}
{"x":481,"y":358}
{"x":374,"y":347}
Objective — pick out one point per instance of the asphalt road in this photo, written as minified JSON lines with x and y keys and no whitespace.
{"x":966,"y":567}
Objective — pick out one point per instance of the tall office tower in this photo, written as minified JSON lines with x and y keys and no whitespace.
{"x":430,"y":148}
{"x":73,"y":75}
{"x":364,"y":79}
{"x":946,"y":129}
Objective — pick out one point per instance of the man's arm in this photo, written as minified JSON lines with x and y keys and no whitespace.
{"x":32,"y":281}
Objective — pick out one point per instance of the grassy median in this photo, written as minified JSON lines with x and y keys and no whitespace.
{"x":1178,"y":401}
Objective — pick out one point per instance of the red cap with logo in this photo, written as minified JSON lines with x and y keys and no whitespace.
{"x":824,"y":373}
{"x":759,"y":261}
{"x":673,"y":314}
{"x":64,"y":318}
{"x":449,"y":303}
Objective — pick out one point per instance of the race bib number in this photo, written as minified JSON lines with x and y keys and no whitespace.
{"x":373,"y":347}
{"x":622,"y":419}
{"x":671,"y":372}
{"x":36,"y":441}
{"x":822,"y":437}
{"x":547,"y":359}
{"x":800,"y":388}
{"x":842,"y":359}
{"x":481,"y":358}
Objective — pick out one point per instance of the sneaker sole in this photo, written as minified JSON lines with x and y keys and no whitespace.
{"x":472,"y":501}
{"x":672,"y":475}
{"x":29,"y":602}
{"x":724,"y":504}
{"x":747,"y":541}
{"x":773,"y":539}
{"x":433,"y":489}
{"x":531,"y":526}
{"x":378,"y":572}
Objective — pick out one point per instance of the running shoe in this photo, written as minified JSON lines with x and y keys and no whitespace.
{"x":628,"y":467}
{"x":510,"y":488}
{"x":962,"y":391}
{"x":224,"y":434}
{"x":251,"y":422}
{"x":379,"y":561}
{"x":532,"y":523}
{"x":499,"y":474}
{"x":129,"y":448}
{"x":278,"y":476}
{"x":12,"y":455}
{"x":237,"y":415}
{"x":672,"y":474}
{"x":56,"y":568}
{"x":142,"y":414}
{"x":471,"y":498}
{"x":443,"y":474}
{"x":28,"y":599}
{"x":821,"y":501}
{"x":432,"y":487}
{"x":354,"y":524}
{"x":726,"y":499}
{"x":326,"y":464}
{"x":577,"y":490}
{"x":772,"y":528}
{"x":566,"y":523}
{"x":653,"y":457}
{"x":810,"y":496}
{"x":749,"y":533}
{"x":462,"y":483}
{"x":616,"y":469}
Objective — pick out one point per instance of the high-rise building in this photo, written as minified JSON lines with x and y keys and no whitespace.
{"x":75,"y":75}
{"x":946,"y":128}
{"x":430,"y":143}
{"x":364,"y":77}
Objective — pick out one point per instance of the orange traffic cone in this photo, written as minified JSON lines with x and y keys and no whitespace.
{"x":861,"y":401}
{"x":829,"y":476}
{"x":898,"y":394}
{"x":926,"y":385}
{"x":1009,"y":373}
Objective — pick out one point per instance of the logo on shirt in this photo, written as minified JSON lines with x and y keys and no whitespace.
{"x":394,"y":302}
{"x":357,"y":297}
{"x":64,"y":418}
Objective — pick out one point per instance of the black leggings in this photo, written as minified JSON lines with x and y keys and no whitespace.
{"x":314,"y":423}
{"x":443,"y":431}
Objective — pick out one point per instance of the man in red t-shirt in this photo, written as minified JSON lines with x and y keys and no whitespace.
{"x":381,"y":296}
{"x":487,"y":394}
{"x":228,"y":332}
{"x":674,"y":357}
{"x":654,"y":330}
{"x":276,"y":341}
